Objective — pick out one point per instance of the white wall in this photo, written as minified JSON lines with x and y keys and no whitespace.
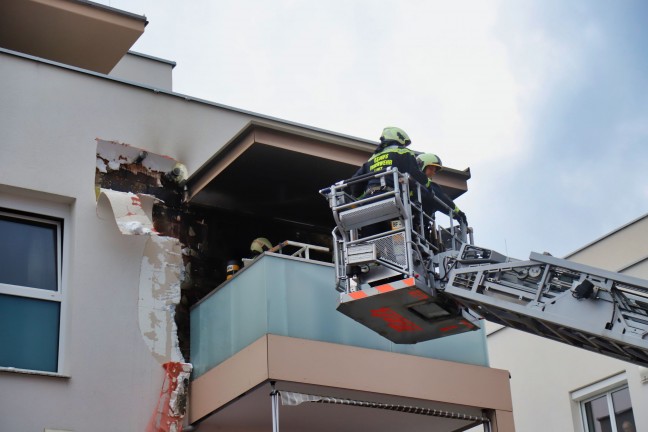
{"x":144,"y":69}
{"x":544,"y":373}
{"x":51,"y":116}
{"x":49,"y":119}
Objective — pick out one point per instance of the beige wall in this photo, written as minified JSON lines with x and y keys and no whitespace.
{"x":335,"y":368}
{"x":544,"y":372}
{"x":617,"y":250}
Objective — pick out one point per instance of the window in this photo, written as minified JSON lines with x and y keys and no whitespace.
{"x":606,"y":406}
{"x":31,"y":287}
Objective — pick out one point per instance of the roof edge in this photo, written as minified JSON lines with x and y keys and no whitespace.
{"x":261,"y":117}
{"x":113,"y":10}
{"x":603,"y":237}
{"x":150,"y":57}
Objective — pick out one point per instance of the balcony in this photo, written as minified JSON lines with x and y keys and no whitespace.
{"x":275,"y":322}
{"x":292,"y":297}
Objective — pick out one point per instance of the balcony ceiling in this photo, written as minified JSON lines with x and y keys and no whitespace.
{"x":264,"y":170}
{"x":280,"y":173}
{"x":78,"y":33}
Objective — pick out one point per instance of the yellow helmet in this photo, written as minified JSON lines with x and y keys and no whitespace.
{"x":260,"y":245}
{"x":427,"y":159}
{"x":395,"y":134}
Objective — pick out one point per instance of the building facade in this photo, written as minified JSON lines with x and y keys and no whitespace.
{"x":115,"y":261}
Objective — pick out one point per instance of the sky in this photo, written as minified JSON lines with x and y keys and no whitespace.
{"x":544,"y":100}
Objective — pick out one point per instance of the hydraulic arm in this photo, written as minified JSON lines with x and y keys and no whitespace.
{"x":411,"y":280}
{"x":568,"y":302}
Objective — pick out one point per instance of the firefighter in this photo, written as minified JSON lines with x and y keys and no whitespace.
{"x":392,"y":152}
{"x":430,"y":164}
{"x":260,"y":245}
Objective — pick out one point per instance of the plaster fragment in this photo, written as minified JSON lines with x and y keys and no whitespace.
{"x":160,"y":271}
{"x":133,"y":213}
{"x":159,"y":293}
{"x":114,"y":165}
{"x":101,"y":165}
{"x":172,"y":405}
{"x":117,"y":153}
{"x":134,"y":227}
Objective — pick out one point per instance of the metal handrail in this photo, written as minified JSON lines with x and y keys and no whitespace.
{"x":304,"y":248}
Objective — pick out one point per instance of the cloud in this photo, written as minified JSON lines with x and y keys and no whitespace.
{"x":434,"y":69}
{"x":579,"y":75}
{"x":544,"y":100}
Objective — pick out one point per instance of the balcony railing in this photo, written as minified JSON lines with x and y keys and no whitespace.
{"x":295,"y":297}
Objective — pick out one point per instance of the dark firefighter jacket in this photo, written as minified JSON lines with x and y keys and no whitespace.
{"x":392,"y":156}
{"x":438,"y":192}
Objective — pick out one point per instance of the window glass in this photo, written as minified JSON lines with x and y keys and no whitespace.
{"x":607,"y":407}
{"x":598,"y":416}
{"x":29,"y":333}
{"x":28,"y":253}
{"x":623,"y":410}
{"x":31,"y":296}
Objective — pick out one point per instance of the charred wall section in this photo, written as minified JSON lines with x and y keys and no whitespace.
{"x":210,"y":237}
{"x":170,"y":218}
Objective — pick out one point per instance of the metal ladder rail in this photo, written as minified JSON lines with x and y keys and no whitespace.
{"x":344,"y":238}
{"x":412,"y":231}
{"x":401,"y":182}
{"x":420,"y":222}
{"x":538,"y":296}
{"x":368,"y":203}
{"x":410,"y":212}
{"x":338,"y":265}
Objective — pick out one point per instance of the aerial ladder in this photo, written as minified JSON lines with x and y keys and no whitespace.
{"x":409,"y":279}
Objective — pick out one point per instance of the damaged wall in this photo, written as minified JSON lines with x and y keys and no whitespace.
{"x":161,"y":270}
{"x":145,"y":191}
{"x":51,"y":117}
{"x":159,"y":293}
{"x":208,"y":238}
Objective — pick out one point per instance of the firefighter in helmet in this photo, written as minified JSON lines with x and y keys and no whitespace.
{"x":391,"y":152}
{"x":260,"y":245}
{"x":430,"y":164}
{"x":257,"y":247}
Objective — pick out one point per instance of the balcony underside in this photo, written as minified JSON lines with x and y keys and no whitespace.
{"x":234,"y":395}
{"x":78,"y":33}
{"x":275,"y":321}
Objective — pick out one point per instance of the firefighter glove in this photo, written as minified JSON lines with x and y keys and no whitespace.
{"x":460,"y":216}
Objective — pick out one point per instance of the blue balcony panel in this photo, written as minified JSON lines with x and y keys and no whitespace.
{"x":292,"y":297}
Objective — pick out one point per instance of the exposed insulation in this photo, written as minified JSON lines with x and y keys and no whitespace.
{"x":158,"y":182}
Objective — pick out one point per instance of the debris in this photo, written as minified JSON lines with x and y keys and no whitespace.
{"x":132,"y":212}
{"x":172,"y":404}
